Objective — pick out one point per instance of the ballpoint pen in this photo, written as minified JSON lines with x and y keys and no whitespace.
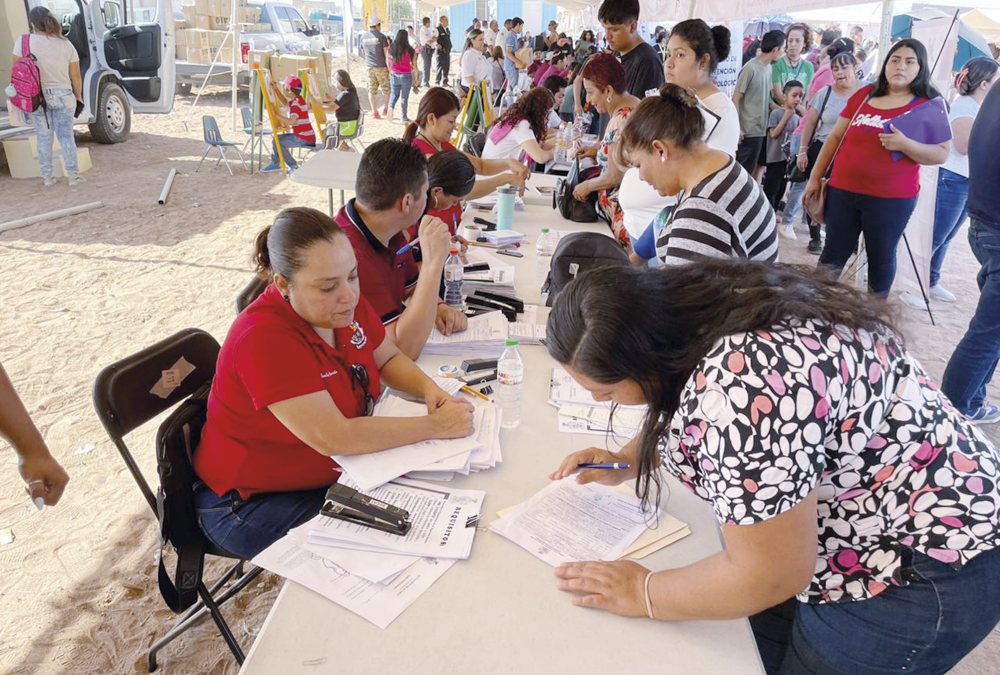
{"x":621,"y":466}
{"x":407,"y":247}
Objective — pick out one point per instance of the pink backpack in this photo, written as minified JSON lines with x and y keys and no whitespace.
{"x":26,"y":81}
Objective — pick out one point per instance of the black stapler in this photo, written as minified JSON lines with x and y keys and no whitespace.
{"x":344,"y":503}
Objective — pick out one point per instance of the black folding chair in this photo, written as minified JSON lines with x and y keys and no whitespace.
{"x":131,"y":392}
{"x":250,"y":293}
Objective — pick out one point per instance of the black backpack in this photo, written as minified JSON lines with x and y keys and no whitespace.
{"x":570,"y":207}
{"x":579,"y":252}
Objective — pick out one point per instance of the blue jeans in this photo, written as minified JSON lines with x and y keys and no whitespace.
{"x":288,"y":141}
{"x":949,"y":214}
{"x":971,"y":366}
{"x":248,"y":526}
{"x":400,"y":83}
{"x":881,"y":220}
{"x":510,"y":70}
{"x":924,"y":628}
{"x":56,"y":119}
{"x":793,"y":204}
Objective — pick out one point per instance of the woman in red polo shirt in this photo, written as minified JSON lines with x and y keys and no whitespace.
{"x":869,"y":192}
{"x":435,"y":125}
{"x":296,"y":383}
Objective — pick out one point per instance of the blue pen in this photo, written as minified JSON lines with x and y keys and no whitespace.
{"x":620,"y":466}
{"x":407,"y":247}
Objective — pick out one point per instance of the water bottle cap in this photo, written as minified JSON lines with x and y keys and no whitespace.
{"x":545,"y":230}
{"x":454,"y":250}
{"x":511,"y":342}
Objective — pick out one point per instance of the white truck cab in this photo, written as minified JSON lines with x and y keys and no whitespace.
{"x":126,"y":65}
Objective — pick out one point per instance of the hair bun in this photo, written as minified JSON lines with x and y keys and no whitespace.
{"x":674,"y":92}
{"x":722,"y":39}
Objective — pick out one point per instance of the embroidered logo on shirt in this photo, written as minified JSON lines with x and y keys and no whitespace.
{"x":327,"y":374}
{"x":358,"y":339}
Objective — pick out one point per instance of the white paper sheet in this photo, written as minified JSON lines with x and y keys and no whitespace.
{"x":376,"y":468}
{"x":563,"y":390}
{"x":486,"y":336}
{"x":569,"y":522}
{"x":371,"y":565}
{"x":378,"y":603}
{"x":438,"y":515}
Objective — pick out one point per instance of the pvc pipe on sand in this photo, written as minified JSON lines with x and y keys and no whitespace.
{"x":51,"y":215}
{"x":166,"y":187}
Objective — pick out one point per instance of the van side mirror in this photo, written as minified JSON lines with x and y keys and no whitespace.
{"x":111,"y":11}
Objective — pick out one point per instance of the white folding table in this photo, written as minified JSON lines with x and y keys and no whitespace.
{"x":499,"y":611}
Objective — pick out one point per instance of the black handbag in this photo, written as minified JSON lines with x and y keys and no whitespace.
{"x":570,"y":207}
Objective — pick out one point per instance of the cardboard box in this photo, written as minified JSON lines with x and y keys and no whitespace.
{"x":286,"y":65}
{"x":263,"y":57}
{"x":221,"y":8}
{"x":199,"y":54}
{"x":180,"y":37}
{"x":22,"y":157}
{"x":190,"y":16}
{"x":181,"y":53}
{"x":204,"y":7}
{"x":216,"y":37}
{"x":198,"y":38}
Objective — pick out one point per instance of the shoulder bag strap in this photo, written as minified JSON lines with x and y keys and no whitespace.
{"x":26,"y":46}
{"x":829,"y":169}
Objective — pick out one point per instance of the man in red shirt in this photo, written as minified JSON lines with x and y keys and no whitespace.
{"x":302,"y":136}
{"x":391,"y":196}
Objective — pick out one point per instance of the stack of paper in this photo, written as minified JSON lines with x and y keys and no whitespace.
{"x":376,"y":574}
{"x":479,"y":451}
{"x":580,"y":413}
{"x":527,"y":330}
{"x":485,"y":337}
{"x":498,"y":279}
{"x":569,"y":522}
{"x":504,"y":237}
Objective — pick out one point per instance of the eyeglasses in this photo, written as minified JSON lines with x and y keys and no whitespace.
{"x":359,"y":374}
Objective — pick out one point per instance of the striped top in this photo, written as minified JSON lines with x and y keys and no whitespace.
{"x":726,"y":215}
{"x":299,"y":114}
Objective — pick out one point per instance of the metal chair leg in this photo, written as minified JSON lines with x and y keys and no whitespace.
{"x":198,"y":611}
{"x":207,"y":150}
{"x":222,"y":151}
{"x":243,"y":160}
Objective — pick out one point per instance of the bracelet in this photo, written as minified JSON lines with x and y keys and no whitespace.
{"x":649,"y":603}
{"x":801,"y":154}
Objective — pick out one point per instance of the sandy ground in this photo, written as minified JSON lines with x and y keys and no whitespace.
{"x":78,"y":590}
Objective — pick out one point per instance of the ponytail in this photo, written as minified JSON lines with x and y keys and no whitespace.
{"x":410,"y":132}
{"x":261,"y":258}
{"x":974,"y":73}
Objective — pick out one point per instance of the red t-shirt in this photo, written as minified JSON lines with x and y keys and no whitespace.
{"x":451,"y":216}
{"x":302,"y":128}
{"x":386,"y":278}
{"x":270,"y":355}
{"x":863,"y":165}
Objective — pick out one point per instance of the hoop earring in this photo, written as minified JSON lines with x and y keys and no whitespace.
{"x":609,"y":100}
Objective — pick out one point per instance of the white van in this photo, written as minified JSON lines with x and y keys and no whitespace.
{"x":127,"y":65}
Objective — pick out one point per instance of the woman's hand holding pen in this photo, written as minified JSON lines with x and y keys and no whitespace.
{"x":570,"y":466}
{"x":453,"y":419}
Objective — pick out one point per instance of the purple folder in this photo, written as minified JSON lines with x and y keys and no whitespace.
{"x":927,"y":123}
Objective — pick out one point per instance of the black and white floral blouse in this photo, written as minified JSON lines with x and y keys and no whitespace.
{"x":769,"y":416}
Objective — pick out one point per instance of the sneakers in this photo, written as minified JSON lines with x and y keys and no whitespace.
{"x":787,"y":231}
{"x":391,"y":116}
{"x":941,"y":293}
{"x":406,"y":120}
{"x":987,"y":414}
{"x":48,"y":181}
{"x":913,"y":301}
{"x":271,"y":168}
{"x":376,"y":115}
{"x":815,"y":246}
{"x":75,"y":179}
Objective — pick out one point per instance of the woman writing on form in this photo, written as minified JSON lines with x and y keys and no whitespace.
{"x":296,"y":383}
{"x":859,"y":508}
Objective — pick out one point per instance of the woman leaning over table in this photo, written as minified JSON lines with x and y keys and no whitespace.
{"x":869,"y":193}
{"x":59,"y":71}
{"x":859,"y":509}
{"x":521,"y":132}
{"x":296,"y":383}
{"x":431,"y":132}
{"x":605,"y":82}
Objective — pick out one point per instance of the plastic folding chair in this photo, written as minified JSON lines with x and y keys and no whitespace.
{"x":213,"y":139}
{"x":250,"y":293}
{"x":177,"y":371}
{"x":248,"y":127}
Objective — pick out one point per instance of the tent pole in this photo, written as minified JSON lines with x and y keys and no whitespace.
{"x":348,"y":24}
{"x":237,"y":58}
{"x":884,"y":33}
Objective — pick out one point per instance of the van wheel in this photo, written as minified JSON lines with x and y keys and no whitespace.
{"x":113,"y":115}
{"x":184,"y":88}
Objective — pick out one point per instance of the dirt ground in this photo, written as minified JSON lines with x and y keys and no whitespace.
{"x":78,"y":590}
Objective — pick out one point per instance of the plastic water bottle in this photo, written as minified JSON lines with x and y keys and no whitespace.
{"x":544,"y":248}
{"x":454,"y":270}
{"x":510,"y":377}
{"x":559,"y":152}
